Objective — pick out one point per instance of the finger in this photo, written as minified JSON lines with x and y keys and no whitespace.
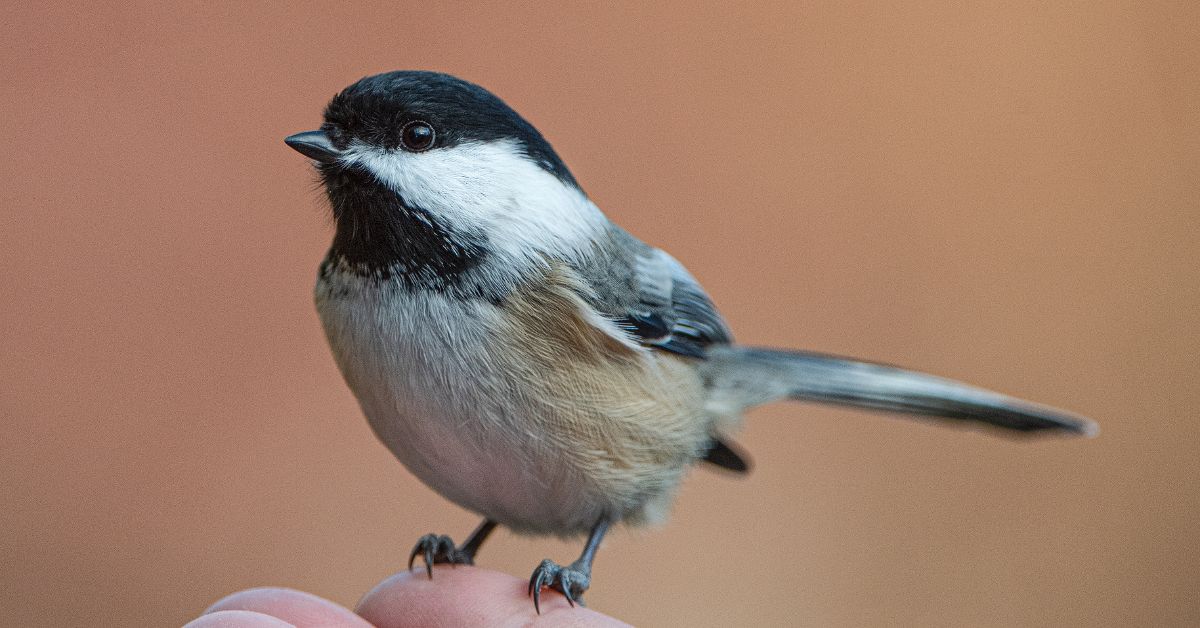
{"x":237,"y":619}
{"x":469,"y":596}
{"x":294,"y":607}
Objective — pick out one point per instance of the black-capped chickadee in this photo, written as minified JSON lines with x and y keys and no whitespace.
{"x":524,"y":356}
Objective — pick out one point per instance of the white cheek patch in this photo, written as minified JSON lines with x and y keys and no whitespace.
{"x":493,"y":188}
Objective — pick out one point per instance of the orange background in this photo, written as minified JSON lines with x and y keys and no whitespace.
{"x":1003,"y":195}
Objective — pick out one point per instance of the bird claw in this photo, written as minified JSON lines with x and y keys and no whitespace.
{"x":438,"y":549}
{"x":571,"y":581}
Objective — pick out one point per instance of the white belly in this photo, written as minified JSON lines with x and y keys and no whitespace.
{"x":425,"y":372}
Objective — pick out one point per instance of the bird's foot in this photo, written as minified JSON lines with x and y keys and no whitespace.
{"x":571,"y":581}
{"x":439,"y":549}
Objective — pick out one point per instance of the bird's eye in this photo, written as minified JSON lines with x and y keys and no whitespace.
{"x":417,"y":136}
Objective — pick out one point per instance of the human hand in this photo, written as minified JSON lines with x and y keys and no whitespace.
{"x":458,"y":596}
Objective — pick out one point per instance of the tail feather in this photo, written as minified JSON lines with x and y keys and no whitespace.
{"x":747,"y":376}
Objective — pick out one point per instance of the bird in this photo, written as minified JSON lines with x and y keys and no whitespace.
{"x":527,"y":358}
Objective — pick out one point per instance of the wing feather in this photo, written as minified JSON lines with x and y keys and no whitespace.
{"x":652,"y":298}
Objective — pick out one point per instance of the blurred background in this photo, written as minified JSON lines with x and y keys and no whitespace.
{"x":1005,"y":195}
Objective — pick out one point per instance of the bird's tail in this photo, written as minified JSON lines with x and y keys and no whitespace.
{"x":746,"y":376}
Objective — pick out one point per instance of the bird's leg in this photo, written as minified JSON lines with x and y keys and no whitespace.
{"x":440,"y":549}
{"x":571,"y":580}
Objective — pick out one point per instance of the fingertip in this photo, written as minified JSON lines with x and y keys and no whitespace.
{"x":468,"y":596}
{"x":294,"y":607}
{"x":237,"y":619}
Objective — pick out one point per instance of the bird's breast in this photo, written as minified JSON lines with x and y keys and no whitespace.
{"x":522,"y":411}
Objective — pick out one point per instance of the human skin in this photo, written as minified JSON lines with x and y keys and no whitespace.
{"x":456,"y":596}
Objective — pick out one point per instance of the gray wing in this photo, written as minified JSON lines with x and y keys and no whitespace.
{"x":653,"y":297}
{"x":657,"y":302}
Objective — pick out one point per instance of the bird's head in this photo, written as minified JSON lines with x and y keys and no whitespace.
{"x":432,"y":175}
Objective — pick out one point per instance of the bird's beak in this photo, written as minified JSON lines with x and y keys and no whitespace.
{"x":314,"y":145}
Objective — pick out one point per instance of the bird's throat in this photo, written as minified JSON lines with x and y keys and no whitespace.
{"x":380,"y":233}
